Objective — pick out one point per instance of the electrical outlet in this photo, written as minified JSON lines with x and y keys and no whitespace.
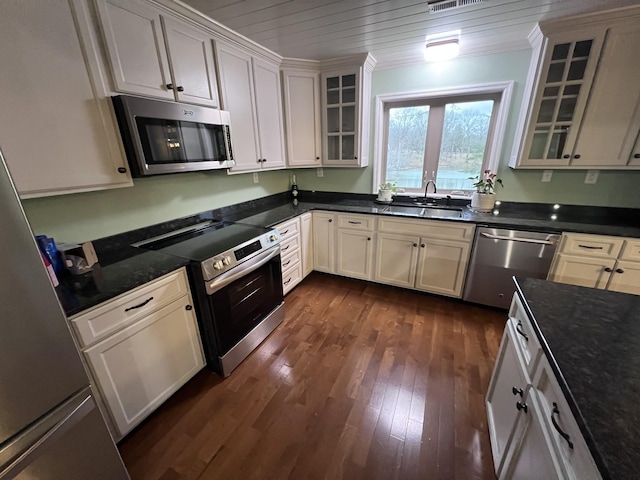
{"x":591,"y":176}
{"x":320,"y":172}
{"x":546,"y":175}
{"x":256,"y":179}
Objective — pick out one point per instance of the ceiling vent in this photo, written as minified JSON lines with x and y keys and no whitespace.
{"x":441,"y":5}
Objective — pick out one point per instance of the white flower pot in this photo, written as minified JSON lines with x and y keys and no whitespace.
{"x":385,"y":195}
{"x":483,"y":202}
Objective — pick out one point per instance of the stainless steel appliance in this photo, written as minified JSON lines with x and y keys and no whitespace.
{"x":168,"y":137}
{"x":500,"y":254}
{"x":236,"y":280}
{"x":50,"y":427}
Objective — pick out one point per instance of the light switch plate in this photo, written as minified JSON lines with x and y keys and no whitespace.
{"x":591,"y":176}
{"x":256,"y":178}
{"x":320,"y":172}
{"x":546,"y":175}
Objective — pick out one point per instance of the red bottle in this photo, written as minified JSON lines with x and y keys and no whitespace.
{"x":50,"y":271}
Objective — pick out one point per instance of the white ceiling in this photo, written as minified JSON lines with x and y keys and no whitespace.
{"x":391,"y":29}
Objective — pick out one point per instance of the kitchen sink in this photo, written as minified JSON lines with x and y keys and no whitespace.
{"x":420,"y":210}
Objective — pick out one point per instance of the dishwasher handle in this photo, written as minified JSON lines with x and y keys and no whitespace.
{"x":524,"y":240}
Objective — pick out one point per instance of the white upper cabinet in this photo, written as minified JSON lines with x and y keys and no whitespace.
{"x":151,"y":54}
{"x":250,"y":90}
{"x":302,"y":117}
{"x":582,"y":100}
{"x":57,"y":131}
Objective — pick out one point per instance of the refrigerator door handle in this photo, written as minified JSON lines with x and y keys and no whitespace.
{"x":28,"y":447}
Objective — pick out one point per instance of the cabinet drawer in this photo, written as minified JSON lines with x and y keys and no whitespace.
{"x":577,"y":460}
{"x":427,"y":228}
{"x":631,"y":250}
{"x":526,"y":340}
{"x":291,"y":277}
{"x":591,"y":245}
{"x":357,"y":222}
{"x":290,"y":260}
{"x":289,"y":229}
{"x":115,"y":314}
{"x":289,"y":246}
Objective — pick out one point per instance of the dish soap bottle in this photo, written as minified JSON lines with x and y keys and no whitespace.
{"x":294,"y":188}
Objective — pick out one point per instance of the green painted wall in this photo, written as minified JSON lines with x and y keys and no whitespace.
{"x":87,"y":216}
{"x":613,"y":188}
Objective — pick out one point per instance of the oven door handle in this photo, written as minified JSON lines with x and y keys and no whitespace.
{"x":246,"y":267}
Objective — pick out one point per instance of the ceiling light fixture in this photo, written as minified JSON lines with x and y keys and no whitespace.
{"x":441,"y":49}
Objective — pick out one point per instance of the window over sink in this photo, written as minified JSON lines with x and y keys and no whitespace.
{"x":441,"y":136}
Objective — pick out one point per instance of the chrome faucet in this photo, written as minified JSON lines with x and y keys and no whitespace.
{"x":426,"y":188}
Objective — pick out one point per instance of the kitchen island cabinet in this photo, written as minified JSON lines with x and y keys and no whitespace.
{"x":586,"y":341}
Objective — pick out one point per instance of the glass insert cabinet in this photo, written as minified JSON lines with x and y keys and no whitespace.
{"x":341,"y":104}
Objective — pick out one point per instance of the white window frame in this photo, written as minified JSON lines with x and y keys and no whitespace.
{"x":495,"y":140}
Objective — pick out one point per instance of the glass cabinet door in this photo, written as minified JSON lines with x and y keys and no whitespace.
{"x":566,"y":79}
{"x":340,"y":95}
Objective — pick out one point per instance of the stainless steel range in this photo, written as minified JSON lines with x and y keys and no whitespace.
{"x":236,"y":280}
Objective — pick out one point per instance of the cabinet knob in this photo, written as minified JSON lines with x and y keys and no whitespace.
{"x":577,"y":156}
{"x":188,"y":307}
{"x":264,"y":159}
{"x":330,"y":220}
{"x":259,"y":160}
{"x":169,"y":86}
{"x":619,"y":270}
{"x":636,"y":155}
{"x":318,"y":158}
{"x":566,"y":156}
{"x":517,"y":391}
{"x":415,"y":244}
{"x":522,"y":406}
{"x":355,"y":157}
{"x":122,"y":170}
{"x":422,"y":245}
{"x":607,"y":269}
{"x":180,"y":88}
{"x":369,"y":239}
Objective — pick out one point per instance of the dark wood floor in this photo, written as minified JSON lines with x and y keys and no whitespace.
{"x":360,"y":381}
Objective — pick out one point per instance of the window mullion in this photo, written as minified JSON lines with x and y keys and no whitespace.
{"x":434,"y":142}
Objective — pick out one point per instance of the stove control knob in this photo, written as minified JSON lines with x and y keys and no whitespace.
{"x":273,"y":238}
{"x":218,"y":265}
{"x":226,"y":261}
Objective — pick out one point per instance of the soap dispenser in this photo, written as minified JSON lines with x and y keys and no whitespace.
{"x":294,"y":188}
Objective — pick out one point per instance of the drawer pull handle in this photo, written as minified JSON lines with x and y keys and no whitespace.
{"x":285,"y":248}
{"x":285,"y":264}
{"x":288,"y":281}
{"x":517,"y":391}
{"x":518,"y":327}
{"x":354,"y":223}
{"x":140,"y":305}
{"x":522,"y":406}
{"x":555,"y":411}
{"x":590,"y":247}
{"x":285,"y":232}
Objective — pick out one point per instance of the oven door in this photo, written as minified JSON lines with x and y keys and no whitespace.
{"x":243,"y":297}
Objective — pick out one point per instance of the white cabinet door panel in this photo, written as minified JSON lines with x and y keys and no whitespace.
{"x":441,"y":266}
{"x":139,"y":367}
{"x":625,"y":278}
{"x":136,"y":47}
{"x":306,"y":243}
{"x":266,"y":78}
{"x":583,"y":271}
{"x":396,"y":259}
{"x":355,"y":254}
{"x":323,"y":240}
{"x":191,"y":55}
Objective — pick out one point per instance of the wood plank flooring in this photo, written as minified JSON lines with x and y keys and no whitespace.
{"x":361,"y":381}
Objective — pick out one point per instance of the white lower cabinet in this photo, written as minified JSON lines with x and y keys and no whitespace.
{"x":532,"y":430}
{"x":323,"y":242}
{"x":306,"y":241}
{"x":140,"y":365}
{"x":442,"y":265}
{"x":396,"y":259}
{"x":355,"y":254}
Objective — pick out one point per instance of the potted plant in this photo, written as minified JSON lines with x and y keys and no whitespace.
{"x":484,"y":198}
{"x":386,"y":191}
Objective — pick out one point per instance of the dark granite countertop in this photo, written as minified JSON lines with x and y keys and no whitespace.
{"x":123,"y":267}
{"x":592,"y":340}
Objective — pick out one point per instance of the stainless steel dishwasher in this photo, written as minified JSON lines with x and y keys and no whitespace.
{"x":500,"y":254}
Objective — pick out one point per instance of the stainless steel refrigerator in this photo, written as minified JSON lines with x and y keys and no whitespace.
{"x":50,"y":427}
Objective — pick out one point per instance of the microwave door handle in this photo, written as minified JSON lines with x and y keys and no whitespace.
{"x":241,"y":270}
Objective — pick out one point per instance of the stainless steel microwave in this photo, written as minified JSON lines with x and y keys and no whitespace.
{"x":167,"y":137}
